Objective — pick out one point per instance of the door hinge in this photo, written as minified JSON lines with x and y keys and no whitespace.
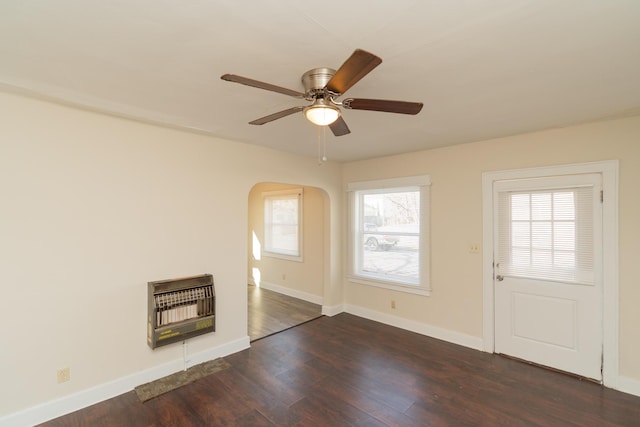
{"x":601,"y":196}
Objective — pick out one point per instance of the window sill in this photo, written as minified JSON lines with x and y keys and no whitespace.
{"x":410,"y":289}
{"x":282,"y":256}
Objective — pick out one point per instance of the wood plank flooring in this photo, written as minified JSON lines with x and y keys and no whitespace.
{"x":271,"y":312}
{"x":348,"y":371}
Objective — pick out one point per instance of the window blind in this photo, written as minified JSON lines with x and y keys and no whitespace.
{"x":547,"y":234}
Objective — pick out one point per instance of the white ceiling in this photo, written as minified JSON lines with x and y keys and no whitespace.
{"x":483,"y":69}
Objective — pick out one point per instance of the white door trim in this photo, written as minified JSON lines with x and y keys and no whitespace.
{"x":609,"y":171}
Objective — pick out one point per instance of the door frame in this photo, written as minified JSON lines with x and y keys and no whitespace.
{"x":610,"y":321}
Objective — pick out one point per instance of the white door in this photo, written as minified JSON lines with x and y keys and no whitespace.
{"x":548,"y":272}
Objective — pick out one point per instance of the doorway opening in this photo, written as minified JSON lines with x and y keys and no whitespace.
{"x":286,"y":259}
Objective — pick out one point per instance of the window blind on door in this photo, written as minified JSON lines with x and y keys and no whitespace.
{"x":547,"y":234}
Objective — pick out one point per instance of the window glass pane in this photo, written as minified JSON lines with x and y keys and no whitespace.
{"x":388,"y":235}
{"x":284,"y":211}
{"x":284,"y":238}
{"x":281,"y":224}
{"x":393,"y":262}
{"x":391,"y":210}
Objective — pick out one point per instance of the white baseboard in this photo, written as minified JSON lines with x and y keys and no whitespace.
{"x":305,"y":296}
{"x":628,"y":385}
{"x":420,"y":328}
{"x":64,"y":405}
{"x":332,"y":310}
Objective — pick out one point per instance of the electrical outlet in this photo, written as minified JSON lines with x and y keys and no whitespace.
{"x":393,"y":304}
{"x":474,"y":248}
{"x":64,"y":375}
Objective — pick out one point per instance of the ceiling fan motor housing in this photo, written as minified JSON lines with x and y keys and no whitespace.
{"x":315,"y":80}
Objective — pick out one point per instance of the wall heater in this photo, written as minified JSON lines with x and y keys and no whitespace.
{"x":180,"y":309}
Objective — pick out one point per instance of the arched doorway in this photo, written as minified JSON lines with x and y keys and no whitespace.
{"x":285,"y":269}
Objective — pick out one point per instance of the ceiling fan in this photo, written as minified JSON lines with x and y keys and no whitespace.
{"x":322,"y":86}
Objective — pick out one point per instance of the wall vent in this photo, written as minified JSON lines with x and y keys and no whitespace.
{"x":180,"y":309}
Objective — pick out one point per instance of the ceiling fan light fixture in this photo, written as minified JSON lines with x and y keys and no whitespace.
{"x":322,"y":113}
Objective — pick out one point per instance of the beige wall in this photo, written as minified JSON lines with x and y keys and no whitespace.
{"x":456,"y":221}
{"x":93,"y":207}
{"x":306,"y":276}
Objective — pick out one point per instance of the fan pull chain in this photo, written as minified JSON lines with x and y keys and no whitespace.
{"x":324,"y":154}
{"x":319,"y":158}
{"x":322,"y":144}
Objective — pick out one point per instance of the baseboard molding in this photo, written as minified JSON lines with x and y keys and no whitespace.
{"x":628,"y":385}
{"x":64,"y":405}
{"x":332,"y":310}
{"x":305,"y":296}
{"x":420,"y":328}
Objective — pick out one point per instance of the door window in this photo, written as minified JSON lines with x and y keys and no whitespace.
{"x":547,"y":234}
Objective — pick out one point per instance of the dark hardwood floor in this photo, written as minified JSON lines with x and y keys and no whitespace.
{"x":349,"y":371}
{"x":271,"y":312}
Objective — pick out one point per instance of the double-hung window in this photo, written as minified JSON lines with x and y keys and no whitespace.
{"x":389,"y":238}
{"x":283,"y":224}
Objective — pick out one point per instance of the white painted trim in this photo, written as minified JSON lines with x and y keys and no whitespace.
{"x":399,"y":287}
{"x":408,"y":181}
{"x":305,"y":296}
{"x":420,"y":328}
{"x":628,"y":385}
{"x":609,"y":171}
{"x":67,"y":404}
{"x":286,"y":192}
{"x":332,"y":310}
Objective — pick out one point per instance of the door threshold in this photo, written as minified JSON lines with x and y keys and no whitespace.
{"x":549,"y":368}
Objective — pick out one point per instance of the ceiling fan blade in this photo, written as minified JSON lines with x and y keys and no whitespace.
{"x":275,"y":116}
{"x":359,"y":64}
{"x":339,"y":127}
{"x":387,"y":106}
{"x":261,"y":85}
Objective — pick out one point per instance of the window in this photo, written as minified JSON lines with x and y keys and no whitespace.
{"x":547,"y":234}
{"x":283,"y":224}
{"x":389,"y":233}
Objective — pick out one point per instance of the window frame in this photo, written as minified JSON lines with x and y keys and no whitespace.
{"x":420,"y":183}
{"x":268,"y":249}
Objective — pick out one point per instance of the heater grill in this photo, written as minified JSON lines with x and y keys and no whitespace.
{"x":180,"y":309}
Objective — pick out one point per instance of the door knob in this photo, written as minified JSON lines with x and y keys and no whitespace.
{"x":499,"y":278}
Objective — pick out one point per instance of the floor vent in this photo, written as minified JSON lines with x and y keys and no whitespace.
{"x":180,"y":309}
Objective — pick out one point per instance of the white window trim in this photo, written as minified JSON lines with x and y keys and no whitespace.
{"x":423,"y":182}
{"x":290,"y":191}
